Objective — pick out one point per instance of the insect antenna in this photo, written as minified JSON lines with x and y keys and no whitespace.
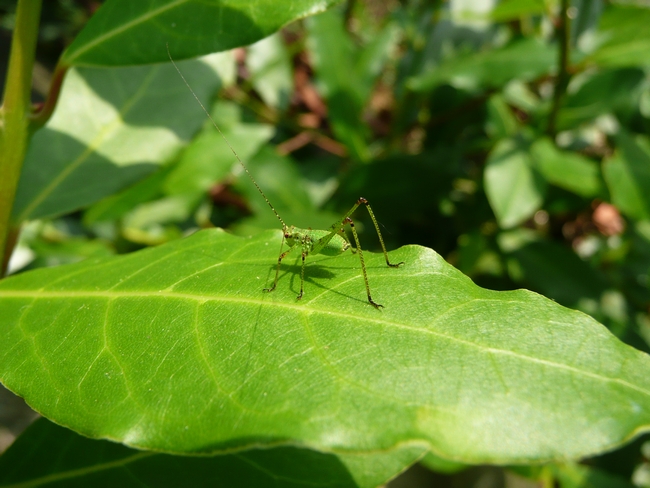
{"x":224,"y":138}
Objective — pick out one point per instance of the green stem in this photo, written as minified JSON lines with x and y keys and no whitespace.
{"x":562,"y":80}
{"x":15,"y":114}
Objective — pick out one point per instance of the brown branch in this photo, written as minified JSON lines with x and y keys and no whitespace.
{"x":42,"y":114}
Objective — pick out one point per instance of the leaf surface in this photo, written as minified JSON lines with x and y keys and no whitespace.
{"x":177,"y":349}
{"x":124,"y":32}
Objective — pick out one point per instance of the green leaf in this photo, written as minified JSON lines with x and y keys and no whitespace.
{"x":568,"y":170}
{"x":372,"y":59}
{"x":440,"y":465}
{"x":284,"y":187}
{"x":555,"y":270}
{"x":209,"y":158}
{"x":67,"y":250}
{"x":111,"y":129}
{"x":625,"y":30}
{"x":580,"y":476}
{"x":501,"y":122}
{"x":269,"y":63}
{"x":123,"y":32}
{"x":147,"y":222}
{"x":115,"y":206}
{"x":513,"y":187}
{"x":335,"y":61}
{"x":508,"y":10}
{"x":524,"y":60}
{"x":177,"y":348}
{"x":627,"y":174}
{"x":622,"y":87}
{"x":49,"y":455}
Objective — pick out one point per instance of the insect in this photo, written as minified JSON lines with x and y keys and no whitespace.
{"x":330,"y":242}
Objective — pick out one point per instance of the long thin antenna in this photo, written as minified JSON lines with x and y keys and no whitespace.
{"x":224,"y":137}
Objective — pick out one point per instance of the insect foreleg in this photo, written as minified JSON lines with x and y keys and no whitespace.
{"x":302,"y":273}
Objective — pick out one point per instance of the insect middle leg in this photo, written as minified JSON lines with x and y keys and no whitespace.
{"x":277,"y":268}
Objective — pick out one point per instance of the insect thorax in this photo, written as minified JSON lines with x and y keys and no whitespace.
{"x":310,"y":239}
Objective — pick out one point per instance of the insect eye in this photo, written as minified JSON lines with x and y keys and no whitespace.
{"x":287,"y":235}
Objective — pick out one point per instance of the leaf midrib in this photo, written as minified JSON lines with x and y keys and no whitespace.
{"x":91,"y":147}
{"x":76,"y":473}
{"x":124,"y":27}
{"x":207,"y":298}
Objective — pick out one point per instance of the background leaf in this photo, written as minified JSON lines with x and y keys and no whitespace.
{"x":625,"y":30}
{"x":512,"y":185}
{"x":111,"y":129}
{"x":566,"y":169}
{"x":51,"y":456}
{"x":526,"y":59}
{"x":271,"y":70}
{"x":178,"y":349}
{"x":335,"y":61}
{"x":557,"y":272}
{"x":587,"y":101}
{"x":628,"y":176}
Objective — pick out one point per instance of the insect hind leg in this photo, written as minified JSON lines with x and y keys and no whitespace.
{"x":381,"y":239}
{"x":348,"y":220}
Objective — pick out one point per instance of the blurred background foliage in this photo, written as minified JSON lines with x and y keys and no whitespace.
{"x":510,"y":136}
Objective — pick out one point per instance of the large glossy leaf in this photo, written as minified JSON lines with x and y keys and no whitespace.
{"x":178,"y":349}
{"x":124,"y":32}
{"x":51,"y":456}
{"x":112,"y":128}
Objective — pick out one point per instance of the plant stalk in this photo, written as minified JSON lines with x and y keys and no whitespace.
{"x":15,"y":115}
{"x":563,"y":76}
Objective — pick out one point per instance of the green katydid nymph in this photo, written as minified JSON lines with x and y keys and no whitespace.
{"x":330,"y":242}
